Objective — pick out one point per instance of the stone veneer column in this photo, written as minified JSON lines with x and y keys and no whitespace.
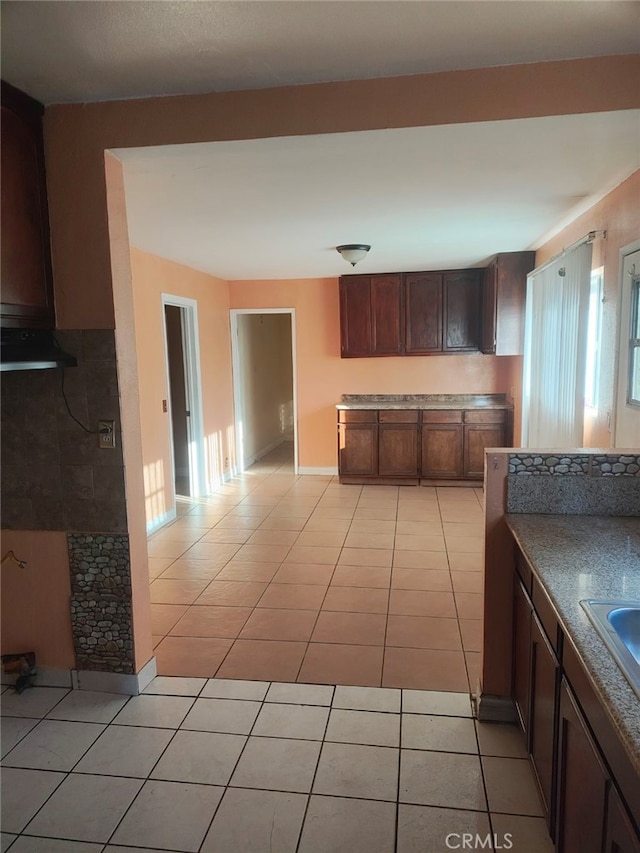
{"x":101,"y":612}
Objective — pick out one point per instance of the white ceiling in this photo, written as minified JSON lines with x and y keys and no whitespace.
{"x":437,"y":197}
{"x":91,"y":50}
{"x":424,"y":198}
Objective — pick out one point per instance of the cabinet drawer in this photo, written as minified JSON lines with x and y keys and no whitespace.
{"x":397,"y":416}
{"x":352,"y":416}
{"x":546,"y":615}
{"x":441,"y":416}
{"x":524,"y":570}
{"x":491,"y":416}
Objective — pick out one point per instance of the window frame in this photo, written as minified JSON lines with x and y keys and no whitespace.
{"x":634,"y":343}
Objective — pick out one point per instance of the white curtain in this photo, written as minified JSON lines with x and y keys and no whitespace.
{"x":555,"y":349}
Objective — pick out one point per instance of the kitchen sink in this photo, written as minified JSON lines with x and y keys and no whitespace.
{"x":618,"y":623}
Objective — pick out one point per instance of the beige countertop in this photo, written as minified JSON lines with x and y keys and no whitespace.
{"x":423,"y":401}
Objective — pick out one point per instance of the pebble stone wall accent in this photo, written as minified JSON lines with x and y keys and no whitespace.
{"x":521,"y":463}
{"x":101,"y":617}
{"x":616,"y":466}
{"x":574,"y":484}
{"x":609,"y":465}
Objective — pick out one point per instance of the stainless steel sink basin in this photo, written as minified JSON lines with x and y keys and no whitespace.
{"x":618,"y":623}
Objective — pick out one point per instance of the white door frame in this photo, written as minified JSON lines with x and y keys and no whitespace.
{"x":237,"y":396}
{"x":619,"y":398}
{"x":193,"y":392}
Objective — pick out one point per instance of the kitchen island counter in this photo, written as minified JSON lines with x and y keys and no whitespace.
{"x":578,"y":557}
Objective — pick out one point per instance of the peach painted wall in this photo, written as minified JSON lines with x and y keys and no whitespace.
{"x":128,"y":384}
{"x":42,"y":621}
{"x":76,"y":136}
{"x":151,"y":277}
{"x":618,"y":213}
{"x":322,"y":376}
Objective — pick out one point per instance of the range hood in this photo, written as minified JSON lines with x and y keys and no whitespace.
{"x":32,"y":349}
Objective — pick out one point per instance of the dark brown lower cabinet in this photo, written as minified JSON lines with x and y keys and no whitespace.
{"x":543,"y":686}
{"x":404,"y":445}
{"x":477,"y":437}
{"x":442,"y":450}
{"x":358,"y":450}
{"x":521,"y":655}
{"x":620,"y":836}
{"x":582,"y":783}
{"x":398,"y":450}
{"x":588,"y":809}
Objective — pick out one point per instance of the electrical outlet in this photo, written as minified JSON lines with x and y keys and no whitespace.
{"x":106,"y":434}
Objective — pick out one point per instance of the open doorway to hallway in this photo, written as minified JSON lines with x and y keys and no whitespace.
{"x":263,"y":353}
{"x":180,"y":413}
{"x":184,"y":403}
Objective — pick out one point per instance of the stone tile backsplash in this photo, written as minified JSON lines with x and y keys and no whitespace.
{"x":55,"y":477}
{"x":574,"y":483}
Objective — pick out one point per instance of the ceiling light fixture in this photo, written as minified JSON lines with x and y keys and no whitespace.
{"x":353,"y":252}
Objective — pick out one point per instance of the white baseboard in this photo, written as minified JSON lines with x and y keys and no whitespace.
{"x":160,"y":520}
{"x":227,"y":475}
{"x":257,"y":456}
{"x":115,"y":682}
{"x":102,"y":682}
{"x":309,"y":469}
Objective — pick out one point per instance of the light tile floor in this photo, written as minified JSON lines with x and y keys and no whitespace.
{"x":286,"y":578}
{"x":200,"y":765}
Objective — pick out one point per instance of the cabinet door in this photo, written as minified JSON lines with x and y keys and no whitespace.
{"x":511,"y":287}
{"x":398,"y":450}
{"x":582,"y":783}
{"x":423,"y":312}
{"x":489,"y":307}
{"x":521,"y":673}
{"x":543,"y":691}
{"x":27,"y":294}
{"x":477,"y":437}
{"x":461,"y":297}
{"x":355,"y":316}
{"x":387,"y":331}
{"x":442,"y":451}
{"x":620,"y":836}
{"x":358,"y":450}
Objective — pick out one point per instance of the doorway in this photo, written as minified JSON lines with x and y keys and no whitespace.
{"x":184,"y":403}
{"x":263,"y":350}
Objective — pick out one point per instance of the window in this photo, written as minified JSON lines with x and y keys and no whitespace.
{"x":633,"y":395}
{"x":592,"y":367}
{"x":556,"y":322}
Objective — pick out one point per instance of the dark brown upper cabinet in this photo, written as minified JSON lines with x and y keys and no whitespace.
{"x":371,"y":320}
{"x":503,"y":300}
{"x":461,"y":294}
{"x":422,"y":313}
{"x":25,"y":275}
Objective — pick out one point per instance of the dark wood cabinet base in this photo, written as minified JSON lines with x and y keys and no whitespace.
{"x":410,"y":447}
